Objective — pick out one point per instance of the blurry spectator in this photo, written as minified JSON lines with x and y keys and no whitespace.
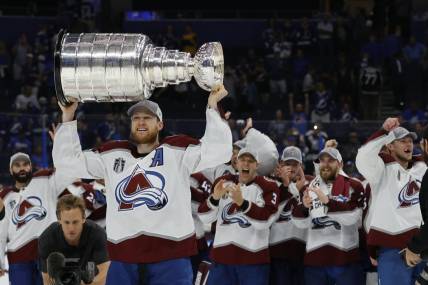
{"x":299,"y":113}
{"x":345,"y":114}
{"x":27,"y":100}
{"x":344,"y":78}
{"x":300,"y":66}
{"x":189,"y":40}
{"x":325,"y":29}
{"x":19,"y":142}
{"x":314,"y":141}
{"x":341,"y":35}
{"x":393,"y":43}
{"x":20,"y":51}
{"x":414,"y":51}
{"x":41,"y":41}
{"x":277,"y":127}
{"x":322,"y":106}
{"x":350,"y":148}
{"x":276,"y":72}
{"x":370,"y":88}
{"x":414,"y":54}
{"x":107,"y":129}
{"x":308,"y":84}
{"x":374,"y":49}
{"x":397,"y":79}
{"x":304,"y":37}
{"x":37,"y":157}
{"x":283,"y":46}
{"x":249,"y":91}
{"x":414,"y":114}
{"x":268,"y":36}
{"x":230,"y":82}
{"x":4,"y":60}
{"x":169,"y":39}
{"x":30,"y":71}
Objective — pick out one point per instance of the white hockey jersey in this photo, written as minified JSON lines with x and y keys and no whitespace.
{"x":266,"y":151}
{"x":149,"y":215}
{"x":393,"y":214}
{"x":200,"y":188}
{"x":286,"y":240}
{"x":242,"y":235}
{"x":28,"y":213}
{"x":333,"y":240}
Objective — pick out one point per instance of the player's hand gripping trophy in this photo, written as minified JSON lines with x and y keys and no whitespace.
{"x":91,"y":67}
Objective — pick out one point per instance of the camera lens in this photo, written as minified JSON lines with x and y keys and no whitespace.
{"x":69,"y":278}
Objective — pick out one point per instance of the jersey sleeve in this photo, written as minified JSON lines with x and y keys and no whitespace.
{"x":69,"y":158}
{"x":215,"y":146}
{"x":368,"y":161}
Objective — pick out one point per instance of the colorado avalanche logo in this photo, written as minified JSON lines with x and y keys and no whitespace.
{"x":141,"y":188}
{"x":323,"y":222}
{"x":409,"y":194}
{"x":340,"y":198}
{"x":30,"y":208}
{"x":229,"y":217}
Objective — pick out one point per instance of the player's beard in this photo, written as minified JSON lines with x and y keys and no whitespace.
{"x":22,"y":176}
{"x":330,"y":175}
{"x":149,"y":138}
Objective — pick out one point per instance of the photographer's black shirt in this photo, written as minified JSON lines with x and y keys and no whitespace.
{"x":93,"y":239}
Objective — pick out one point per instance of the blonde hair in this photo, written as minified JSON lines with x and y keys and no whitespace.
{"x":69,"y":202}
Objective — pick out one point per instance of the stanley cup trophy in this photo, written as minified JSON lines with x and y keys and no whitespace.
{"x":92,"y":67}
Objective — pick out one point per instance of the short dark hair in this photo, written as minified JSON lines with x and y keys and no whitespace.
{"x":69,"y":202}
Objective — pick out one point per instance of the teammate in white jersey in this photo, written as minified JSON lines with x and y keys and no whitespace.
{"x":150,"y":229}
{"x":29,"y":209}
{"x":393,"y":214}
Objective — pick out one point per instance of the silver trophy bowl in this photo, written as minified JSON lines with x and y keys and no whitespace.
{"x":95,"y":67}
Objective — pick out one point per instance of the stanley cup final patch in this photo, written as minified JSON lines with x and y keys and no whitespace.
{"x":119,"y":165}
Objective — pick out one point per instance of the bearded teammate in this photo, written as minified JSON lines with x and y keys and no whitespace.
{"x":331,"y":212}
{"x":149,"y":221}
{"x":29,"y":209}
{"x":393,"y":214}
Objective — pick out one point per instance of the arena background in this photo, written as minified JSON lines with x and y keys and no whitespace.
{"x":282,"y":68}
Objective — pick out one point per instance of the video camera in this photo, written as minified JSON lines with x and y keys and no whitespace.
{"x":69,"y":273}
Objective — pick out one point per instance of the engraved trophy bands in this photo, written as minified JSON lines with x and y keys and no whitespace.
{"x":127,"y":67}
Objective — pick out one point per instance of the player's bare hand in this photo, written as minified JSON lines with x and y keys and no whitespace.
{"x":217,"y":93}
{"x":68,"y":111}
{"x":300,"y":179}
{"x":412,"y":259}
{"x":285,"y":175}
{"x":331,"y":143}
{"x":236,"y":194}
{"x":323,"y":198}
{"x":219,"y":190}
{"x":390,"y":124}
{"x":227,"y":115}
{"x":307,"y":200}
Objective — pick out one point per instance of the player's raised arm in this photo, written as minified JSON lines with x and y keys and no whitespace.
{"x":216,"y":145}
{"x":67,"y":152}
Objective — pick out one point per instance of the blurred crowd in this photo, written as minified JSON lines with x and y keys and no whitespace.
{"x":310,"y":74}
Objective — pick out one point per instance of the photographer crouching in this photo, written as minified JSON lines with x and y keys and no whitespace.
{"x":73,"y":251}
